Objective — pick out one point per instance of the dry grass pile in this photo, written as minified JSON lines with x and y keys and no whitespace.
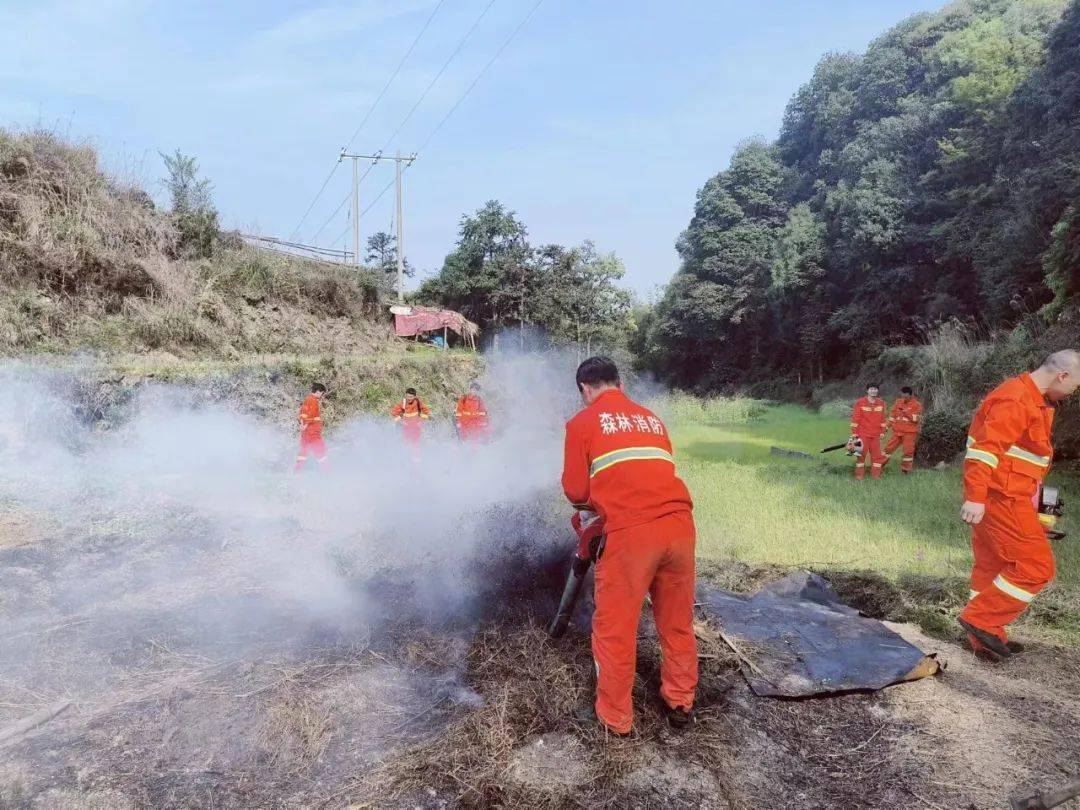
{"x":89,"y":262}
{"x":523,"y":746}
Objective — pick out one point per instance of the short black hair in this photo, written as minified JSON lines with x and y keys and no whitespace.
{"x":870,"y":385}
{"x":410,"y":391}
{"x":597,"y":371}
{"x":474,"y":384}
{"x":906,"y":390}
{"x":317,"y":387}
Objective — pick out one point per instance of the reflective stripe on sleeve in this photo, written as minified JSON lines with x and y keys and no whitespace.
{"x":974,"y":454}
{"x":628,"y":454}
{"x":1031,"y":458}
{"x":1007,"y":587}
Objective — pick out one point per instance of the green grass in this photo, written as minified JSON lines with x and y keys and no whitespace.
{"x":762,"y":509}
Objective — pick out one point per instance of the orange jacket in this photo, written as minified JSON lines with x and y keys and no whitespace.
{"x":906,"y":416}
{"x":410,"y":410}
{"x":1008,"y":446}
{"x":471,"y":412}
{"x":310,"y":417}
{"x":617,"y":462}
{"x":868,"y":418}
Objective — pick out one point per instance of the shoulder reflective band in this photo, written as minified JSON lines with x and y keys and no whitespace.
{"x":974,"y":454}
{"x":1007,"y":587}
{"x":628,"y":454}
{"x":1031,"y":458}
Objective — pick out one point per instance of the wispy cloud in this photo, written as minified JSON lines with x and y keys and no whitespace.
{"x":319,"y":25}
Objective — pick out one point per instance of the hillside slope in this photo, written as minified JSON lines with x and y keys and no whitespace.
{"x":90,"y":265}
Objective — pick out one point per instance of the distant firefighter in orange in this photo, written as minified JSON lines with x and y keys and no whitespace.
{"x":868,"y":423}
{"x":905,"y":420}
{"x":411,"y":413}
{"x":471,"y":416}
{"x":311,"y":440}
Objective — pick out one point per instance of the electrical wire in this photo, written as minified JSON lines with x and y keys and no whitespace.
{"x":480,"y":75}
{"x":446,"y":64}
{"x":367,"y":116}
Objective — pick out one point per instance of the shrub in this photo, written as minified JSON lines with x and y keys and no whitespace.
{"x":836,"y":408}
{"x":944,"y":434}
{"x":679,"y":407}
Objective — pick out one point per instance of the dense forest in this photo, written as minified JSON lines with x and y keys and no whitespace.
{"x":934,"y":179}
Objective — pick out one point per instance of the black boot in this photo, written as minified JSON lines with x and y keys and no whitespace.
{"x":679,"y":718}
{"x":981,"y":638}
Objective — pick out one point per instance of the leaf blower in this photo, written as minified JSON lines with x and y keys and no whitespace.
{"x":590,"y":532}
{"x":853,"y":445}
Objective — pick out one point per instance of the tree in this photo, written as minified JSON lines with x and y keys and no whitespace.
{"x":192,"y":209}
{"x":381,"y":258}
{"x":497,"y":279}
{"x":491,"y":252}
{"x":711,"y":323}
{"x":933,"y":177}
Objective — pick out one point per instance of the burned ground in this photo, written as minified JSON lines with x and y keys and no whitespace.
{"x":414,"y":707}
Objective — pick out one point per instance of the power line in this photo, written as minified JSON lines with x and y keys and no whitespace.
{"x":397,"y":70}
{"x":480,"y":75}
{"x":367,"y":116}
{"x":446,"y":64}
{"x":330,"y":218}
{"x":476,"y":80}
{"x":314,"y":200}
{"x":464,"y":95}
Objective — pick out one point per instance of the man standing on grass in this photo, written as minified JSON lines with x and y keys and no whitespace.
{"x":618,"y":465}
{"x":868,"y":423}
{"x":905,"y":420}
{"x":311,"y":440}
{"x":1008,"y":456}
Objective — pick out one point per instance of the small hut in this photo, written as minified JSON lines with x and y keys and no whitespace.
{"x":415,"y":321}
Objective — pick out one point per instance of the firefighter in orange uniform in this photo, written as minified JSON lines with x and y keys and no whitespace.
{"x":1008,"y":455}
{"x":411,"y":413}
{"x":311,"y":440}
{"x":868,"y":423}
{"x":618,"y":464}
{"x":905,"y":420}
{"x":471,"y":416}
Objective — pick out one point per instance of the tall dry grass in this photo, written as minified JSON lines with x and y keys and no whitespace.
{"x":87,"y":261}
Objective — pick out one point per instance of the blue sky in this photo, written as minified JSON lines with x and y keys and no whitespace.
{"x":600,"y":121}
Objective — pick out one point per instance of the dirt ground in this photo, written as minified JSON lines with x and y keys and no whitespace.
{"x":397,"y":710}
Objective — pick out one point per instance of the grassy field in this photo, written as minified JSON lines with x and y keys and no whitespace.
{"x":762,"y":509}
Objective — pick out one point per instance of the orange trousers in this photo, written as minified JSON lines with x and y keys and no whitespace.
{"x":1013,"y":562}
{"x":655,"y":558}
{"x":310,"y":446}
{"x":907,"y":461}
{"x":871,"y":447}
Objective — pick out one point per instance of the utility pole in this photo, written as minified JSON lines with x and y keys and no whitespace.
{"x":355,"y":213}
{"x":400,"y":240}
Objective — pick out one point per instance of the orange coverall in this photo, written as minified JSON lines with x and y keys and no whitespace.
{"x":618,"y":463}
{"x":905,"y":419}
{"x":1008,"y":455}
{"x":472,"y":418}
{"x":410,"y":415}
{"x":311,"y":440}
{"x":868,"y":423}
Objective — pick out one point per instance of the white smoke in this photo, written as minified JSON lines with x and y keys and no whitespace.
{"x":192,"y":511}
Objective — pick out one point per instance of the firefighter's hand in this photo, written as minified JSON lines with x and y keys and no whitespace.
{"x":972,"y":513}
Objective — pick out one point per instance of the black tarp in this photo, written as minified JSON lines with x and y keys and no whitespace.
{"x":804,"y":641}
